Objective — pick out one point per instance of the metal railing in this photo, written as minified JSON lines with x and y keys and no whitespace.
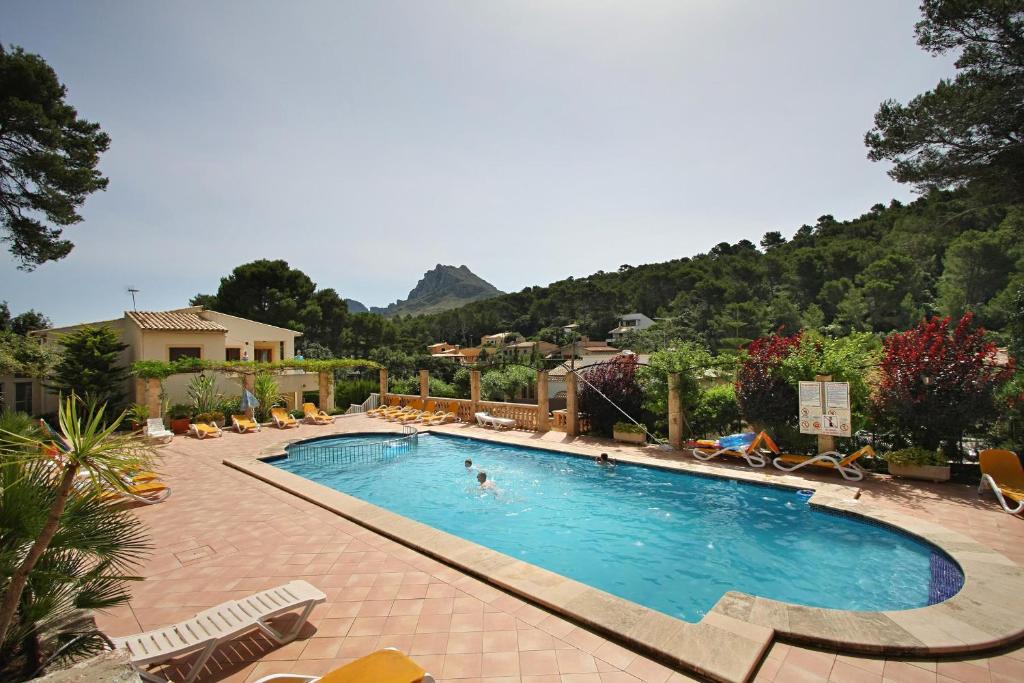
{"x":372,"y":401}
{"x":358,"y":453}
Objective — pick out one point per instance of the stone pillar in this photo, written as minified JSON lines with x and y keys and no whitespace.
{"x":572,"y":411}
{"x":383,"y":384}
{"x":675,"y":412}
{"x":424,"y":384}
{"x":543,"y":420}
{"x":826,"y":442}
{"x":327,"y":391}
{"x":474,"y":390}
{"x":147,"y":392}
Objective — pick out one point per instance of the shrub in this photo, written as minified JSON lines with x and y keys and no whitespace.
{"x":690,"y":361}
{"x":90,"y":366}
{"x":504,"y":384}
{"x":211,"y":417}
{"x":628,"y":428}
{"x":716,"y":412}
{"x":937,"y":381}
{"x":202,"y":392}
{"x":765,"y":395}
{"x":615,"y":381}
{"x":267,"y":391}
{"x":916,"y":456}
{"x":349,"y":391}
{"x":180,"y":411}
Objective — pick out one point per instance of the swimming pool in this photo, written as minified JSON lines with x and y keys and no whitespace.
{"x":666,"y":540}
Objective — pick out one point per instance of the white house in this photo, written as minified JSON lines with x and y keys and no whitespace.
{"x":630,"y":322}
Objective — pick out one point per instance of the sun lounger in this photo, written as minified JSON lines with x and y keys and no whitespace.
{"x":145,"y":491}
{"x":383,"y":666}
{"x":243,"y":424}
{"x":156,"y":431}
{"x":201,"y":430}
{"x":282,"y":420}
{"x":1001,"y":471}
{"x":440,"y":417}
{"x":753,"y":448}
{"x":316,"y":416}
{"x":488,"y":420}
{"x":379,"y":411}
{"x":207,"y":630}
{"x":846,"y":464}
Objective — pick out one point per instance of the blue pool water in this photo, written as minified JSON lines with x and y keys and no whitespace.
{"x":672,"y":542}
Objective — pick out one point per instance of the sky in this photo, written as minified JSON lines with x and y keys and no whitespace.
{"x":365,"y":142}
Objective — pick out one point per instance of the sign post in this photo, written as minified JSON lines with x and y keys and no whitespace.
{"x":825,"y":410}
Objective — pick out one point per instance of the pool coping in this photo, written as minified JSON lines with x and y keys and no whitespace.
{"x":729,"y":643}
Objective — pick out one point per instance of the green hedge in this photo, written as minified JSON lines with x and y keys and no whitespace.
{"x":155,"y":369}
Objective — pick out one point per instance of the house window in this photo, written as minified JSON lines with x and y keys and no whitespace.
{"x":176,"y":352}
{"x":233,"y":353}
{"x":23,"y":397}
{"x":264,"y":355}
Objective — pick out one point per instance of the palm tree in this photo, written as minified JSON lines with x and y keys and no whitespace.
{"x":94,"y":450}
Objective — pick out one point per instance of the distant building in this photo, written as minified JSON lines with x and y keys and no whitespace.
{"x":585,"y":347}
{"x":441,"y":348}
{"x":501,"y":340}
{"x":630,"y":322}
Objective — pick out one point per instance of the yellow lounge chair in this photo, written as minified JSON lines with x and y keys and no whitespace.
{"x":419,"y":415}
{"x":282,"y":419}
{"x":394,"y":403}
{"x":440,"y":417}
{"x":201,"y":430}
{"x":414,"y":407}
{"x":755,"y":453}
{"x":148,"y":492}
{"x":847,"y":465}
{"x":316,"y":416}
{"x":1001,"y":471}
{"x":243,"y":424}
{"x":383,"y":666}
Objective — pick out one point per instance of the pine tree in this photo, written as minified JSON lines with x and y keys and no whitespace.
{"x":90,"y":366}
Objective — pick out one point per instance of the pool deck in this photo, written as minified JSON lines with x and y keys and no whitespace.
{"x":225,"y":533}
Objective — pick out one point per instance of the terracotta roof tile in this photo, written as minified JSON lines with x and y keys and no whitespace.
{"x":184,"y":321}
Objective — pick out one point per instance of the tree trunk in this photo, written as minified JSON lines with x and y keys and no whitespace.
{"x":12,"y":597}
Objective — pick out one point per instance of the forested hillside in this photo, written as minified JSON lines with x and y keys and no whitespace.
{"x":880,"y":272}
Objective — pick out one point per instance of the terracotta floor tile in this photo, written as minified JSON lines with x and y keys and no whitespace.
{"x":465,"y":643}
{"x":535,"y":639}
{"x":500,"y":641}
{"x":649,"y":671}
{"x":538,"y":663}
{"x":575,"y":662}
{"x":429,"y":643}
{"x":901,"y":672}
{"x":400,"y":624}
{"x":499,"y":621}
{"x":847,"y":673}
{"x":467,"y":621}
{"x":462,"y":665}
{"x":321,"y":648}
{"x":499,"y":664}
{"x":367,"y":626}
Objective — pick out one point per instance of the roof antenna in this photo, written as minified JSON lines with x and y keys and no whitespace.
{"x":133,"y":292}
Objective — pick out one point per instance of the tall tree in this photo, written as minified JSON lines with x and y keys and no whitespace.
{"x":48,"y":159}
{"x":90,"y":366}
{"x":969,"y":129}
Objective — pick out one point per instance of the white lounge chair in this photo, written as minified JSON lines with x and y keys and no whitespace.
{"x":207,"y":630}
{"x":833,"y":460}
{"x":488,"y":420}
{"x":156,"y":431}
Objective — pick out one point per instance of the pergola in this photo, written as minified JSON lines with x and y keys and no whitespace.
{"x":150,"y":374}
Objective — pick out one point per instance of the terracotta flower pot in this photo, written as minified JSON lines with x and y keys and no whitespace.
{"x":180,"y":425}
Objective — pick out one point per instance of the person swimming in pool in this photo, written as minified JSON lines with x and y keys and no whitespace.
{"x":604,"y":460}
{"x":486,"y":483}
{"x":470,"y":467}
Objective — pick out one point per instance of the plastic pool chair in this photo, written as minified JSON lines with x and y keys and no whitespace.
{"x":316,"y":416}
{"x":148,"y":492}
{"x":847,"y":465}
{"x":156,"y":431}
{"x":201,"y":430}
{"x":440,"y":417}
{"x":380,"y":410}
{"x":419,"y":415}
{"x":413,"y":408}
{"x":752,"y":448}
{"x":282,"y":419}
{"x":243,"y":424}
{"x":383,"y":666}
{"x":1001,"y":471}
{"x":204,"y":632}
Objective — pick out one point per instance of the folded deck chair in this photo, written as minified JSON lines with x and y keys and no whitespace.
{"x":316,"y":416}
{"x":1001,"y":471}
{"x":282,"y":419}
{"x":442,"y":416}
{"x":419,"y":415}
{"x":156,"y":431}
{"x":753,"y":448}
{"x":201,"y":430}
{"x":414,"y":408}
{"x":383,"y":666}
{"x":204,"y":632}
{"x":846,"y":464}
{"x":243,"y":424}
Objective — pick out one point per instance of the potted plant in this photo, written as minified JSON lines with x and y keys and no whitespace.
{"x":918,"y":463}
{"x":137,"y":415}
{"x":181,"y":418}
{"x":629,"y":433}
